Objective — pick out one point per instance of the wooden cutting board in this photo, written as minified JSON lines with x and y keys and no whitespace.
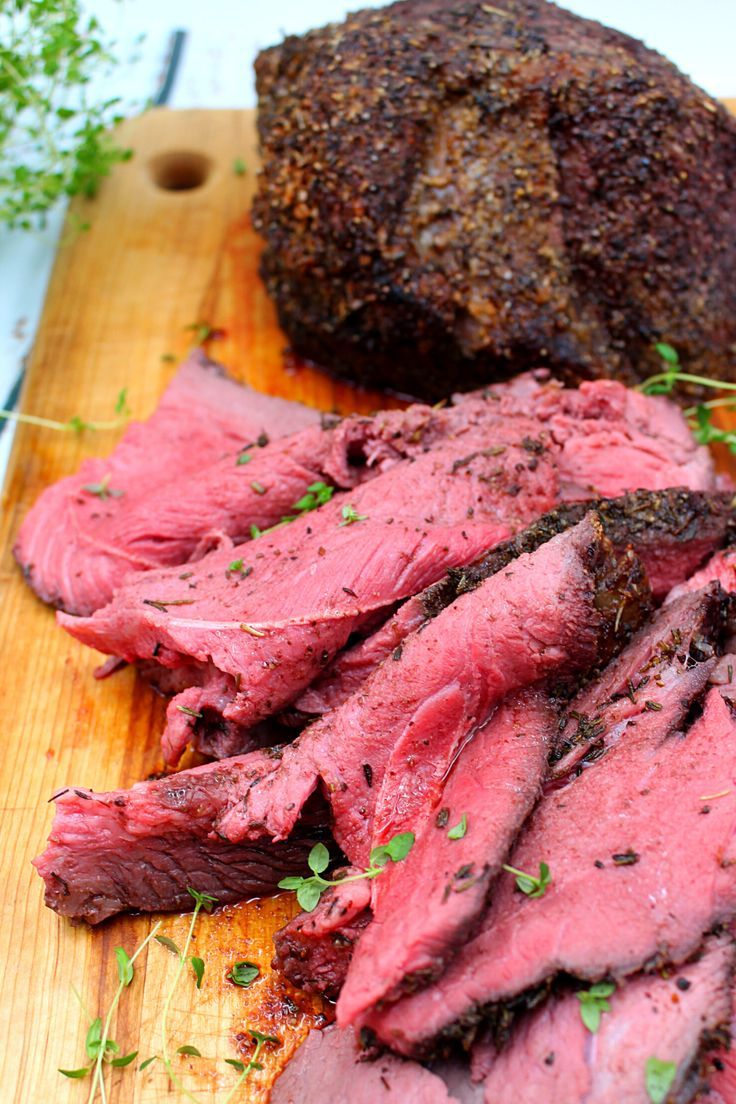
{"x":170,"y":246}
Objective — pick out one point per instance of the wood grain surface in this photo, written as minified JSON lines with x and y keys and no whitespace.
{"x":156,"y":260}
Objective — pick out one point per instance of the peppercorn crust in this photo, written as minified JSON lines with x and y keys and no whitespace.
{"x":452,"y":192}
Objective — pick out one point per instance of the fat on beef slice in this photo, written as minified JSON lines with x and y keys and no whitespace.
{"x":642,"y":856}
{"x":670,"y":531}
{"x":271,"y":627}
{"x":677,"y":1017}
{"x":506,"y":167}
{"x":331,"y":1066}
{"x":74,"y":545}
{"x":141,"y":848}
{"x":554,"y":612}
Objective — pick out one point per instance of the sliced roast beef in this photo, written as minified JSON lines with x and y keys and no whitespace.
{"x":721,"y":566}
{"x":676,"y":1017}
{"x":642,"y":854}
{"x":74,"y":546}
{"x":427,"y":906}
{"x":303,"y":589}
{"x":671,"y":532}
{"x":330,"y":1066}
{"x":551,"y":611}
{"x":314,"y":949}
{"x":141,"y":848}
{"x":554,"y":611}
{"x":664,"y":667}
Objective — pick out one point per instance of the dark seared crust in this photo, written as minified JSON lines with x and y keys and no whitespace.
{"x":454,"y":191}
{"x":646,"y":519}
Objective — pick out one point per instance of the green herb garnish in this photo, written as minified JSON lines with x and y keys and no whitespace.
{"x":594,"y":1002}
{"x":659,"y":1078}
{"x":202,"y":331}
{"x":239,"y":167}
{"x":243,"y":973}
{"x":102,"y":489}
{"x":309,"y":890}
{"x":459,"y":829}
{"x":243,"y":458}
{"x":529,"y":884}
{"x":100,"y":1048}
{"x":316,"y":495}
{"x":699,"y":417}
{"x":350,"y":515}
{"x":54,"y":137}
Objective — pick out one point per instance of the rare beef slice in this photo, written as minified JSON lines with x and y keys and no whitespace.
{"x":427,"y":906}
{"x":330,"y":1066}
{"x":141,"y":848}
{"x":87,"y":531}
{"x":269,"y":627}
{"x":677,"y":1017}
{"x":642,"y":853}
{"x":670,"y":531}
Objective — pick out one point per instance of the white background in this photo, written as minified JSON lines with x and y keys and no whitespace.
{"x":216,"y":71}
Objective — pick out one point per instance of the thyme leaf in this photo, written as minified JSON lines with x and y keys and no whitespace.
{"x":530,"y":884}
{"x":459,"y":830}
{"x":659,"y":1078}
{"x":350,"y":515}
{"x":594,"y":1002}
{"x":309,"y":890}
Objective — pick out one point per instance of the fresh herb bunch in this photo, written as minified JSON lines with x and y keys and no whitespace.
{"x":700,"y":416}
{"x":54,"y":137}
{"x":309,"y":890}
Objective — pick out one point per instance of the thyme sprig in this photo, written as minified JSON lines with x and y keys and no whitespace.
{"x":100,"y":1048}
{"x":594,"y":1002}
{"x":699,"y":416}
{"x":309,"y":890}
{"x":54,"y":137}
{"x":315,"y":496}
{"x":76,"y":423}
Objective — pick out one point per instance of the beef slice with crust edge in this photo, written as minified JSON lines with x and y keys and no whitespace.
{"x":315,"y":581}
{"x":670,"y":531}
{"x":665,"y":666}
{"x":425,"y":907}
{"x":553,"y":1058}
{"x":74,"y":546}
{"x":330,"y":1066}
{"x":721,"y":567}
{"x":554,"y":611}
{"x":141,"y":848}
{"x":638,"y":873}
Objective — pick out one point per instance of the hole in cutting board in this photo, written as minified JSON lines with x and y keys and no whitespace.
{"x":179,"y":171}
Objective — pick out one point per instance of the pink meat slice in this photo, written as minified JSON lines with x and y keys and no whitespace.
{"x":427,"y":906}
{"x":303,"y":589}
{"x":329,"y":1067}
{"x":75,"y":547}
{"x":140,"y":848}
{"x":519,"y":626}
{"x":601,"y":915}
{"x":553,"y":1058}
{"x":720,"y":567}
{"x":611,"y":438}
